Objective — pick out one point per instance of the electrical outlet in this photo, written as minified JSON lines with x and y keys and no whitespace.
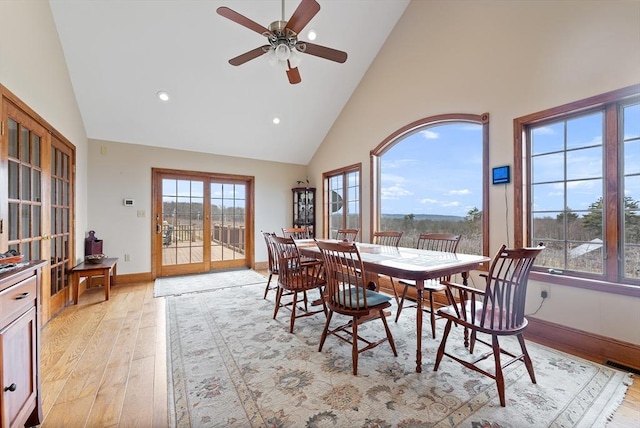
{"x":545,"y":291}
{"x":127,"y":257}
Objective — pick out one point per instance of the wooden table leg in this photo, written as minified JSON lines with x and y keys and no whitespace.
{"x":76,"y":287}
{"x":419,"y":301}
{"x":107,"y":283}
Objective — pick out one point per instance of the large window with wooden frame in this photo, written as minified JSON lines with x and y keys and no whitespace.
{"x":577,"y":170}
{"x":342,"y":209}
{"x":431,"y":176}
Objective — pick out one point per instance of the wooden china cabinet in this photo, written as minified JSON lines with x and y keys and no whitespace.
{"x":304,"y":205}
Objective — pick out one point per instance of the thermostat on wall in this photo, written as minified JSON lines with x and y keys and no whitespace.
{"x":501,"y":174}
{"x":128,"y":202}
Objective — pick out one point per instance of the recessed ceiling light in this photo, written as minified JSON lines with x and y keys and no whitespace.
{"x":311,"y":35}
{"x":276,"y":120}
{"x":164,"y":96}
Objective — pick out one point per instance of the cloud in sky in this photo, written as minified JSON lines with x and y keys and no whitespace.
{"x":459,"y":192}
{"x":429,"y":135}
{"x":394,"y":192}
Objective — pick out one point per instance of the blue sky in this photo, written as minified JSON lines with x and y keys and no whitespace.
{"x":425,"y":174}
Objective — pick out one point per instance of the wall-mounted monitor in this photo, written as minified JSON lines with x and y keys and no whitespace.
{"x":501,"y":175}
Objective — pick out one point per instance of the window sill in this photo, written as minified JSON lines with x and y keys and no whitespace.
{"x":589,"y":284}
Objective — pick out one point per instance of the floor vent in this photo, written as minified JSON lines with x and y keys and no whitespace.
{"x":622,"y":367}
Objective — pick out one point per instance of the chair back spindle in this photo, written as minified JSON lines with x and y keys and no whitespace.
{"x":296,"y":232}
{"x":347,"y":234}
{"x":387,"y":238}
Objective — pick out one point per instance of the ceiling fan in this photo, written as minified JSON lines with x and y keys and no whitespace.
{"x":283,"y":40}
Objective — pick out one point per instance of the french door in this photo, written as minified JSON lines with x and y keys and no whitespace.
{"x":202,"y":222}
{"x":36,"y":199}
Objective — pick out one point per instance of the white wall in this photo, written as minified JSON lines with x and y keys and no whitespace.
{"x":32,"y":66}
{"x":510,"y":59}
{"x":119,"y":171}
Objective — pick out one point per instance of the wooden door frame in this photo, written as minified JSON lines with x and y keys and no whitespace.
{"x":156,"y":206}
{"x":8,"y":101}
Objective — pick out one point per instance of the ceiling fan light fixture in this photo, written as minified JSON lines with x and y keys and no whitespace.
{"x":294,"y":58}
{"x":282,"y":52}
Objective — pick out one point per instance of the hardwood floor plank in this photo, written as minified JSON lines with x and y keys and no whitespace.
{"x":69,"y":414}
{"x":160,"y":417}
{"x":137,"y":410}
{"x":107,"y":407}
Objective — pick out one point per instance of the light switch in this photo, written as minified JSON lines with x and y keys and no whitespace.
{"x":140,"y":213}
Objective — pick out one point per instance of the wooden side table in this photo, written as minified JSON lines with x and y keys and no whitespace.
{"x":106,"y":268}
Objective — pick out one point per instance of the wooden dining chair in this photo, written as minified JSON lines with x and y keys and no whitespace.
{"x":446,"y":242}
{"x":387,"y":238}
{"x":296,"y":232}
{"x":346,"y":294}
{"x":273,"y":261}
{"x":496,"y":311}
{"x":347,"y":234}
{"x":295,"y":278}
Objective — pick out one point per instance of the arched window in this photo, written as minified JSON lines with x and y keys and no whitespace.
{"x":432,"y":176}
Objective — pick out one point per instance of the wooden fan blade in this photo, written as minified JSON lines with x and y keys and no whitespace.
{"x":242,"y":20}
{"x":306,"y":10}
{"x":322,"y":52}
{"x":248,"y":56}
{"x":293,"y":74}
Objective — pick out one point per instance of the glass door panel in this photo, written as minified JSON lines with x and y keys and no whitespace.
{"x":182,"y":221}
{"x":60,"y":215}
{"x":228,"y":217}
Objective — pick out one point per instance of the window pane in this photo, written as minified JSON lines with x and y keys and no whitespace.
{"x":631,"y":157}
{"x":13,"y":221}
{"x":25,"y":145}
{"x":632,"y":227}
{"x":13,"y":139}
{"x":585,"y":131}
{"x":584,"y":163}
{"x":548,"y":197}
{"x":581,"y":195}
{"x":26,"y":183}
{"x":631,"y":121}
{"x":546,"y":139}
{"x":343,"y":207}
{"x":14,"y":180}
{"x":548,"y":227}
{"x":36,"y":151}
{"x":25,"y":221}
{"x":547,"y":168}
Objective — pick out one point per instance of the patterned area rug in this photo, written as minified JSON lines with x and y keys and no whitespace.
{"x":231,"y":364}
{"x":175,"y":285}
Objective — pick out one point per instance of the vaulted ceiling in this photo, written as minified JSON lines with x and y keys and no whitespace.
{"x":121,"y":53}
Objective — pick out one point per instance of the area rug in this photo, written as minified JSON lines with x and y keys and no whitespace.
{"x":175,"y":285}
{"x":232,"y":365}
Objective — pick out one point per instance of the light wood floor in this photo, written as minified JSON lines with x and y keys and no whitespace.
{"x":104,"y":363}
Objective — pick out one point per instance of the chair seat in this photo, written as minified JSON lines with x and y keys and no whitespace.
{"x":355,"y":300}
{"x":476,"y":321}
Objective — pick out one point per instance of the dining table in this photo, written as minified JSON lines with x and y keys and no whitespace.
{"x":406,"y":263}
